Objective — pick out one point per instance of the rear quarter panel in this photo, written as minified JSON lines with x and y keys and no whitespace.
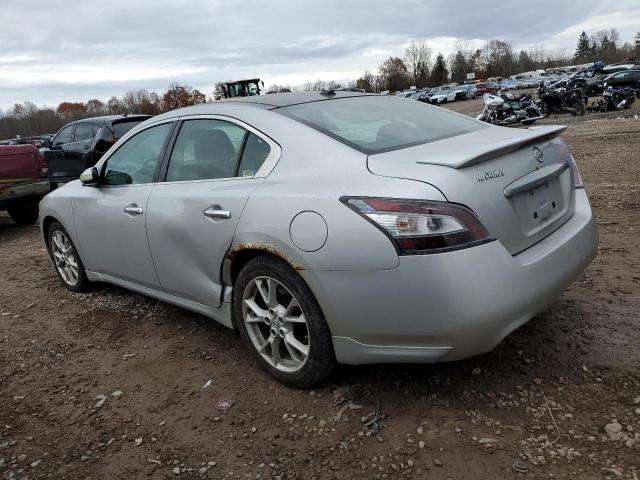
{"x":313,"y":173}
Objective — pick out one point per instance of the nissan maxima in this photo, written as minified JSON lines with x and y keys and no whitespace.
{"x":332,"y":227}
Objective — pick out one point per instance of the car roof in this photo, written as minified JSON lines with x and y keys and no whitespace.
{"x":278,"y":100}
{"x":111,"y":118}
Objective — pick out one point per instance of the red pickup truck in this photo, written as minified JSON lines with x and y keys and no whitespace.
{"x":23,"y":182}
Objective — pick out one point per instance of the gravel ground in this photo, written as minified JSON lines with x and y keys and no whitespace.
{"x":111,"y":384}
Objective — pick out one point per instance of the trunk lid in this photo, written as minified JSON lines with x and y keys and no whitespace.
{"x":519,"y":195}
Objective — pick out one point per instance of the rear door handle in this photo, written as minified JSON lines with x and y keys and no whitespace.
{"x":133,"y":209}
{"x":216,"y":211}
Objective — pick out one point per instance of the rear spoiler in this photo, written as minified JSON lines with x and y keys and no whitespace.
{"x":131,"y":118}
{"x":534,"y":135}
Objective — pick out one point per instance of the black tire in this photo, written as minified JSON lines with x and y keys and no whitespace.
{"x":82,"y":284}
{"x":24,"y":213}
{"x":321,"y":360}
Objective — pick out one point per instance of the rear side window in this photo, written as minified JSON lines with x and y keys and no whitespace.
{"x":373,"y":124}
{"x":84,"y":131}
{"x":205,"y":150}
{"x":256,"y":151}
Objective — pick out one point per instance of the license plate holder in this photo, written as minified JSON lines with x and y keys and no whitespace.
{"x":540,"y":204}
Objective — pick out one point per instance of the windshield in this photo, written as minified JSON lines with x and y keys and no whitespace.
{"x":373,"y":124}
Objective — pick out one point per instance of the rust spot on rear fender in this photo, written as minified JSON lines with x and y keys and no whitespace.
{"x":264,"y":247}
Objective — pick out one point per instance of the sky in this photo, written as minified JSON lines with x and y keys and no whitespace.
{"x":68,"y":50}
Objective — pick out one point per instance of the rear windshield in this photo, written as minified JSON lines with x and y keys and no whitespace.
{"x":377,"y":124}
{"x":120,"y":128}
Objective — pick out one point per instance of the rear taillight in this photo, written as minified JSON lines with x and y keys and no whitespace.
{"x":419,"y":227}
{"x":577,"y":178}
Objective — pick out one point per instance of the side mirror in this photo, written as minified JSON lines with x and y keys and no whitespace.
{"x":47,"y":144}
{"x":90,"y":177}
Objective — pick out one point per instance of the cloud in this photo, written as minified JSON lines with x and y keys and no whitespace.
{"x":54,"y":51}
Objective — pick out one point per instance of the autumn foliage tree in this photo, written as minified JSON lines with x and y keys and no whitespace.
{"x":180,"y":95}
{"x":72,"y":110}
{"x":28,"y":119}
{"x":393,"y":74}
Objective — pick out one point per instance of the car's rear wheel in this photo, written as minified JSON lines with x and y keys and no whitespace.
{"x":281,"y":322}
{"x":24,"y":213}
{"x":66,"y":260}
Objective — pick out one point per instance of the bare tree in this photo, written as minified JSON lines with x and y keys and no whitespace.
{"x":367,"y":81}
{"x":418,"y":62}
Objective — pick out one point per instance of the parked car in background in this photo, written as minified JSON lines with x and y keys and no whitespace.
{"x":39,"y":141}
{"x":623,"y":78}
{"x":482,"y":88}
{"x":422,"y":236}
{"x":79,"y":145}
{"x":424,"y":95}
{"x":410,"y":95}
{"x":23,"y":182}
{"x":442,"y":95}
{"x":466,"y":91}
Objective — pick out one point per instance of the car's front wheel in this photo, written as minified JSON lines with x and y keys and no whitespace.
{"x":281,"y":322}
{"x":66,"y":260}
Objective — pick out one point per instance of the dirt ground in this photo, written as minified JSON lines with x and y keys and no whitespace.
{"x":111,"y":384}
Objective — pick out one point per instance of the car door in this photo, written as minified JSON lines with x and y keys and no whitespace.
{"x":110,"y":218}
{"x":56,"y":154}
{"x":74,"y":161}
{"x":213,"y":167}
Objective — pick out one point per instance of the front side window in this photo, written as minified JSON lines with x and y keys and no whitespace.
{"x":135,"y":162}
{"x":205,"y":150}
{"x":373,"y":124}
{"x":84,"y":131}
{"x":64,"y":136}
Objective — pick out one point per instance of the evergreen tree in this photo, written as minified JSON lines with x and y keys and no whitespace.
{"x":459,"y":68}
{"x":584,"y":48}
{"x":439,"y":74}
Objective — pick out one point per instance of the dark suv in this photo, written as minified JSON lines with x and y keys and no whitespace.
{"x":624,"y":78}
{"x":79,"y":145}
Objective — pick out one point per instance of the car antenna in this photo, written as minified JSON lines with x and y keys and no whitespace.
{"x":328,"y":93}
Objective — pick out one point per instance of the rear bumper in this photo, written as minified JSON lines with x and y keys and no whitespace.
{"x":452,"y":305}
{"x":24,"y":192}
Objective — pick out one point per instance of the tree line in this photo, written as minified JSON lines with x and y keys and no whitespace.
{"x":27,"y":119}
{"x":418,"y":67}
{"x":497,"y":58}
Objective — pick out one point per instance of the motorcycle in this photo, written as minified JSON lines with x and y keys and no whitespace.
{"x":505,"y":109}
{"x":559,"y":100}
{"x":614,"y":99}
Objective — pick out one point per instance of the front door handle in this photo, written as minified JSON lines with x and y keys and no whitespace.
{"x":217,"y":212}
{"x":133,"y":209}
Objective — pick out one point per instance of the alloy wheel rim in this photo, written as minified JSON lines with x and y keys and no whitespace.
{"x":65,"y":258}
{"x":276,"y":324}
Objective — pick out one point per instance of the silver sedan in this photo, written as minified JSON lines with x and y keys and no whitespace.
{"x":331,"y":227}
